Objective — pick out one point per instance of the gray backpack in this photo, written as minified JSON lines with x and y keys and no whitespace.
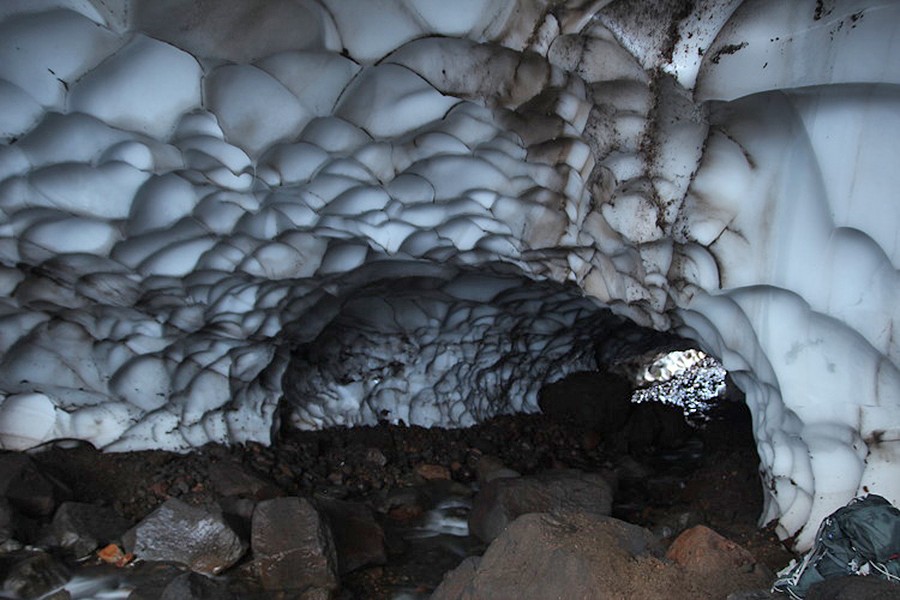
{"x":862,"y":538}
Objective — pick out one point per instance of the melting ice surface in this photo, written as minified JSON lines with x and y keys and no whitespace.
{"x":186,"y":204}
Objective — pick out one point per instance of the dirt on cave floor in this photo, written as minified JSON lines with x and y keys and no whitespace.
{"x":711,"y":480}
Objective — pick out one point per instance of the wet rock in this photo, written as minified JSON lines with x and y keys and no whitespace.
{"x":854,"y":588}
{"x":568,"y":556}
{"x":292,"y":546}
{"x":702,"y":550}
{"x":502,"y":500}
{"x":82,"y":528}
{"x":193,"y":586}
{"x":181,"y":533}
{"x":594,"y":400}
{"x":26,"y":488}
{"x":151,"y":579}
{"x":358,"y":538}
{"x":35,"y":576}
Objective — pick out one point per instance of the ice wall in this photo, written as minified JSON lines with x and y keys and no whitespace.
{"x":205,"y":205}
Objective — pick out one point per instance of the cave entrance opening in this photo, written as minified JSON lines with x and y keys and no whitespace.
{"x":411,"y":393}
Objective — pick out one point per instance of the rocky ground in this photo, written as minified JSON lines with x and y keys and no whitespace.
{"x":394,"y":502}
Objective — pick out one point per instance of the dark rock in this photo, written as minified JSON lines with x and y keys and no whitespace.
{"x":29,"y":491}
{"x":35,"y":576}
{"x":594,"y":400}
{"x":231,"y":478}
{"x":501,"y":501}
{"x":193,"y":586}
{"x":152,"y":578}
{"x":358,"y":538}
{"x":489,"y":468}
{"x":292,"y":546}
{"x":702,"y":550}
{"x":854,"y":588}
{"x":7,"y":516}
{"x":191,"y":536}
{"x":82,"y":528}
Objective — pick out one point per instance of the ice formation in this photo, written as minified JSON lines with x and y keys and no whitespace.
{"x":400,"y":210}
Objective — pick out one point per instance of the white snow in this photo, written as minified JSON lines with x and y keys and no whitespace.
{"x":144,"y":87}
{"x":198,"y":216}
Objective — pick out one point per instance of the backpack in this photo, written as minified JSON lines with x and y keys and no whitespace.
{"x":862,"y":538}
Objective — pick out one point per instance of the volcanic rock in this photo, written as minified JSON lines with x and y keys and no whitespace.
{"x":81,"y":528}
{"x":185,"y":534}
{"x":701,"y":549}
{"x":358,"y":538}
{"x":293,"y":546}
{"x":575,"y":555}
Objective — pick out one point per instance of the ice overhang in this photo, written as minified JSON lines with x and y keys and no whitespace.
{"x":186,"y":201}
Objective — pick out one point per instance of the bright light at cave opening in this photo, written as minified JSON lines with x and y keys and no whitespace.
{"x":689,"y":379}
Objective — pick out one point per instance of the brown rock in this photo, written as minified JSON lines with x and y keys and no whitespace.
{"x":701,"y":549}
{"x":432,"y":472}
{"x":292,"y":546}
{"x":542,"y":556}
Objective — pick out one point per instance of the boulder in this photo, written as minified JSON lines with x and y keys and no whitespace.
{"x":358,"y":538}
{"x":194,"y":586}
{"x":181,"y":533}
{"x":292,"y":546}
{"x":702,"y":550}
{"x":82,"y":528}
{"x":502,"y":500}
{"x":590,"y":557}
{"x":574,"y":555}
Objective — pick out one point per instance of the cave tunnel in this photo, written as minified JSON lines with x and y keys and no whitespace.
{"x":218,"y":218}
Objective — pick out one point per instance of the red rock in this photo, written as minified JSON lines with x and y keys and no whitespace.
{"x":702,"y":549}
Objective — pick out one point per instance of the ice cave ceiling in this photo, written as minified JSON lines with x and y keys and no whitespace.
{"x":423,"y":210}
